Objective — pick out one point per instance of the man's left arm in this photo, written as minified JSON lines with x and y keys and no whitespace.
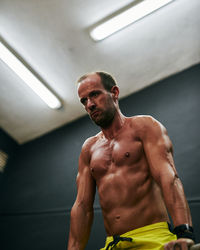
{"x":159,"y":153}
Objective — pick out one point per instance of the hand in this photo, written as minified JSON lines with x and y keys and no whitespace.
{"x":180,"y":244}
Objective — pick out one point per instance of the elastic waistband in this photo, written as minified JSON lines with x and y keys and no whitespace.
{"x":159,"y":225}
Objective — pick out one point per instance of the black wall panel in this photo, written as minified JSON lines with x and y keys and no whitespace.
{"x":34,"y":231}
{"x":7,"y":144}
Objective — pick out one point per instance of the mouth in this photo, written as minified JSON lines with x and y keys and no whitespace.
{"x":94,"y":114}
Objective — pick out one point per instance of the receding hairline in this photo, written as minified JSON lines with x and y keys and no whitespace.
{"x":106,"y":79}
{"x":82,"y":78}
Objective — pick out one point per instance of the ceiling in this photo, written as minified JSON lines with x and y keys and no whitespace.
{"x":52,"y":37}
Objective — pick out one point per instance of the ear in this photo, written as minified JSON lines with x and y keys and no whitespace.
{"x":115,"y":92}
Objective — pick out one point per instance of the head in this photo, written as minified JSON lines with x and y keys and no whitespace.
{"x":99,"y":95}
{"x":106,"y":79}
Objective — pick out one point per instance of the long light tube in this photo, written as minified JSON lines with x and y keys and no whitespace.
{"x":31,"y":80}
{"x":122,"y":20}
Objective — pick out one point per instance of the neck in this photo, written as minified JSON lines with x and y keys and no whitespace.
{"x":117,"y":123}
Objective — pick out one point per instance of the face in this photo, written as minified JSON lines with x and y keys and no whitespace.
{"x":98,"y":102}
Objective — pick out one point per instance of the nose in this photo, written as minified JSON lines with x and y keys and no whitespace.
{"x":91,"y":105}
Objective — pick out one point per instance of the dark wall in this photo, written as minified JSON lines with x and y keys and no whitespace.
{"x":8,"y":146}
{"x":38,"y":186}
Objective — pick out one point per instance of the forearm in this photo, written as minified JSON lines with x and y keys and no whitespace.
{"x":176,"y":202}
{"x":80,"y":226}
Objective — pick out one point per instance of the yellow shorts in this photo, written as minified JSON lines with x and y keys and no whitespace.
{"x":153,"y":236}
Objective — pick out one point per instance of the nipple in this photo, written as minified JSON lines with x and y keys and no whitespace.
{"x":127,"y":154}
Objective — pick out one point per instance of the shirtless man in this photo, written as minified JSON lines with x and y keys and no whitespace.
{"x":131,"y":163}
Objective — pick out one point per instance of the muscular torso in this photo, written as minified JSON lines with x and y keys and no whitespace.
{"x":129,"y":197}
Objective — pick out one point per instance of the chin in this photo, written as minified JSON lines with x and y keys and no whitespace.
{"x":103,"y":124}
{"x":103,"y":121}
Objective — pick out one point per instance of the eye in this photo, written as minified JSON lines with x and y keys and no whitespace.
{"x":95,"y":94}
{"x":83,"y":101}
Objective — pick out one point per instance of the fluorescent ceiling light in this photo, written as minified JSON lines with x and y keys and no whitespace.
{"x":31,"y":80}
{"x":125,"y":18}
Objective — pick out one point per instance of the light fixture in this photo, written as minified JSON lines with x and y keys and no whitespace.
{"x":29,"y":78}
{"x":120,"y":21}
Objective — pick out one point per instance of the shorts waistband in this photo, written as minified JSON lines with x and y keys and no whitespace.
{"x":158,"y":225}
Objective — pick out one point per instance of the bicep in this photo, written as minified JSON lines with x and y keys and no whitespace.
{"x":86,"y":186}
{"x":159,"y":153}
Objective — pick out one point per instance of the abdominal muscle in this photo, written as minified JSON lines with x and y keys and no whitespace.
{"x":129,"y":200}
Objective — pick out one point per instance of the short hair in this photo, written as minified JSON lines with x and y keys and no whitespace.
{"x":107,"y":80}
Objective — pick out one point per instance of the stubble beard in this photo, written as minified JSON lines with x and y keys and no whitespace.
{"x":105,"y":118}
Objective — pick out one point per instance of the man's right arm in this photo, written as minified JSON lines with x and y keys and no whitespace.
{"x":82,"y":210}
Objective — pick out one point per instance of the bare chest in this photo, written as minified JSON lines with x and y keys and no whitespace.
{"x":111,"y":156}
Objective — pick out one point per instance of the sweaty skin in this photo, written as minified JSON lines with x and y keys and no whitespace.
{"x":130,"y":162}
{"x":129,"y":196}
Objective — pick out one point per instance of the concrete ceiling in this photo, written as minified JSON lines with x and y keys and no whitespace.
{"x":52,"y":37}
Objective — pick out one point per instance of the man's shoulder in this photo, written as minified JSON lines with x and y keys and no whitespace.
{"x":90,"y":141}
{"x":144,"y":124}
{"x":143,"y":120}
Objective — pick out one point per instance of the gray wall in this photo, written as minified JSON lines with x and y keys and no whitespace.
{"x":38,"y":187}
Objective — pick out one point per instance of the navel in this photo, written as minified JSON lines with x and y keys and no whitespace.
{"x":117,"y":217}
